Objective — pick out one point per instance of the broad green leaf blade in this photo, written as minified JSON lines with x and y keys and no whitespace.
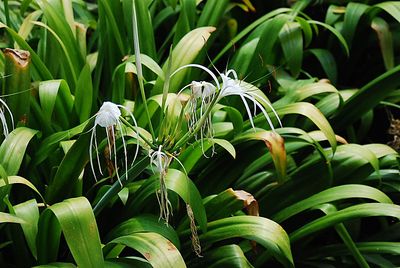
{"x":70,"y":169}
{"x":184,"y":53}
{"x":79,"y":227}
{"x":19,"y":180}
{"x":51,"y":143}
{"x":380,"y":150}
{"x":250,"y":28}
{"x":212,"y":13}
{"x":392,"y":8}
{"x":6,"y":217}
{"x":159,"y":251}
{"x":12,"y":150}
{"x":225,"y":256}
{"x":229,"y":202}
{"x":335,"y":32}
{"x":127,"y":262}
{"x":193,"y":154}
{"x":291,"y":39}
{"x":56,"y":99}
{"x":360,"y":151}
{"x":327,"y":62}
{"x":275,"y":145}
{"x":353,"y":212}
{"x":381,"y":27}
{"x":227,"y":146}
{"x":29,"y":212}
{"x":315,"y":115}
{"x":26,"y":26}
{"x":259,"y":48}
{"x":265,"y":232}
{"x":83,"y":94}
{"x":178,"y":182}
{"x":354,"y":12}
{"x":72,"y":65}
{"x":332,"y":194}
{"x":144,"y":223}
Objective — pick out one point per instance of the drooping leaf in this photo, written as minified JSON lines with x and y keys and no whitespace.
{"x":78,"y":224}
{"x":13,"y":148}
{"x":265,"y":232}
{"x":29,"y":212}
{"x":158,"y":251}
{"x":353,"y":212}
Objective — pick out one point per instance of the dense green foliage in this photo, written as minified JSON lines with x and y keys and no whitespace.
{"x":214,"y":133}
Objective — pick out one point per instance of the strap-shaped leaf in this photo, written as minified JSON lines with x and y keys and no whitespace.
{"x":332,"y":194}
{"x":144,"y":223}
{"x":184,"y":53}
{"x":225,"y":256}
{"x":159,"y":251}
{"x":315,"y":115}
{"x":353,"y":212}
{"x":6,"y":217}
{"x":55,"y":97}
{"x":29,"y":212}
{"x":178,"y":182}
{"x":78,"y":224}
{"x":13,"y":148}
{"x":264,"y":231}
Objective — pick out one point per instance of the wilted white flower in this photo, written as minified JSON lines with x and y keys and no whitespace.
{"x":161,"y":161}
{"x":108,"y":117}
{"x":3,"y":109}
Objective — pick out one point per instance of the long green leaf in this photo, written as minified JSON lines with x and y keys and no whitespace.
{"x":332,"y":194}
{"x":12,"y":150}
{"x":70,"y":169}
{"x":19,"y":180}
{"x":382,"y":29}
{"x":159,"y":251}
{"x":184,"y":53}
{"x":6,"y":217}
{"x":79,"y":227}
{"x":144,"y":223}
{"x":292,"y":44}
{"x":353,"y":212}
{"x":29,"y":212}
{"x":265,"y":232}
{"x":83,"y":94}
{"x":225,"y":256}
{"x":310,"y":111}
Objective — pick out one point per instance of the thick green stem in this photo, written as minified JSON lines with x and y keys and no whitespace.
{"x":17,"y":83}
{"x":139,"y":66}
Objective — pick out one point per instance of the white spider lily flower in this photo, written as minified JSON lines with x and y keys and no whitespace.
{"x":210,"y":94}
{"x":3,"y":109}
{"x":108,"y":117}
{"x":235,"y":87}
